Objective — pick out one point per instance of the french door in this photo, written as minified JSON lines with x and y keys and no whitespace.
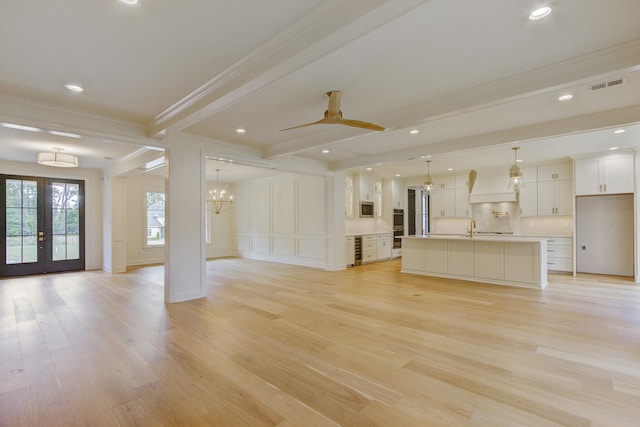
{"x":42,"y":222}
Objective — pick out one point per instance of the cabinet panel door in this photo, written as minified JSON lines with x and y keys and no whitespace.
{"x":529,"y":199}
{"x":435,"y":204}
{"x":413,"y":254}
{"x":449,"y":202}
{"x":436,"y":256}
{"x":587,"y":176}
{"x":460,"y":259}
{"x":489,"y":260}
{"x":462,"y":202}
{"x":564,"y":198}
{"x":617,"y":174}
{"x":546,"y":198}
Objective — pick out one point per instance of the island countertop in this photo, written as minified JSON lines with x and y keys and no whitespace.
{"x":498,"y":259}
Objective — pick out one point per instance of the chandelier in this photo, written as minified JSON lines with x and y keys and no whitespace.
{"x":428,"y":184}
{"x":515,"y":176}
{"x":219,"y":200}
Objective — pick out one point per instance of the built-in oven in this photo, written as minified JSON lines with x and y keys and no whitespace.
{"x":398,"y":228}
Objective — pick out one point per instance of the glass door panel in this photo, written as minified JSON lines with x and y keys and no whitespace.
{"x":43,"y":224}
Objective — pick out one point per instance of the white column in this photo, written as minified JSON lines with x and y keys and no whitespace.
{"x":335,"y":222}
{"x":184,"y":276}
{"x":114,"y":253}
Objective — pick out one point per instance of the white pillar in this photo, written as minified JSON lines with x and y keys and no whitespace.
{"x":336,"y":222}
{"x":184,"y":275}
{"x":114,"y":253}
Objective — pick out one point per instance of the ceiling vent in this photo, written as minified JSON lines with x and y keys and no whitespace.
{"x":604,"y":85}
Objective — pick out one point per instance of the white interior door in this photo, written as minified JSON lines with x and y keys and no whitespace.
{"x":604,"y":234}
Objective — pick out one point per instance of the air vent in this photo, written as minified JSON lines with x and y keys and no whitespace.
{"x":604,"y":85}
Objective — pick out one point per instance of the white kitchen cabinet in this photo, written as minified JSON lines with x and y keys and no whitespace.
{"x":397,"y":194}
{"x":348,"y":196}
{"x":460,"y":259}
{"x":462,"y":203}
{"x":436,"y":255}
{"x":442,"y":203}
{"x":366,"y":187}
{"x":528,"y":199}
{"x":555,"y":172}
{"x":488,"y":258}
{"x":555,"y":198}
{"x":383,"y":246}
{"x":462,"y":181}
{"x":444,"y":182}
{"x":369,"y":248}
{"x":349,"y":248}
{"x":560,"y":254}
{"x":610,"y":174}
{"x":377,"y":198}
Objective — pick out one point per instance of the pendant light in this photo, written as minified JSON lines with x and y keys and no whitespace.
{"x":58,"y":159}
{"x":219,"y":200}
{"x":428,"y":184}
{"x":515,"y":176}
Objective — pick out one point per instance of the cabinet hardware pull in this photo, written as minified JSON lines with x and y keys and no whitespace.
{"x":605,"y":188}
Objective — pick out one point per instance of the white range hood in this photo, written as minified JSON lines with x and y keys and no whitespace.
{"x":490,"y":186}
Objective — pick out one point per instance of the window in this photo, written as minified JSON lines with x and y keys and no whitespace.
{"x":155,"y":222}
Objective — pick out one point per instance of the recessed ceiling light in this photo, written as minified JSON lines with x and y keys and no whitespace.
{"x":613,"y":148}
{"x":397,"y":174}
{"x":241,"y":131}
{"x":325,"y":151}
{"x":450,"y":169}
{"x":74,"y":87}
{"x":540,"y":13}
{"x":619,"y":131}
{"x":519,"y":160}
{"x":566,"y":97}
{"x":20,"y":127}
{"x":369,"y":169}
{"x":130,"y":2}
{"x":414,"y":131}
{"x":65,"y":134}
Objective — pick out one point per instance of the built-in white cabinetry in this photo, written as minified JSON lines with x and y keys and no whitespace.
{"x":383,"y":246}
{"x":369,"y":248}
{"x":377,"y":198}
{"x":348,"y":196}
{"x":609,"y":174}
{"x":560,"y":254}
{"x":528,"y":194}
{"x":366,"y":187}
{"x":375,"y":247}
{"x":442,"y":203}
{"x":555,"y":172}
{"x":397,"y":194}
{"x":349,"y":249}
{"x":555,"y":198}
{"x":555,"y":190}
{"x":449,"y":197}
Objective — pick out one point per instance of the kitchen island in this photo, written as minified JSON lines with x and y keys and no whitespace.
{"x":512,"y":261}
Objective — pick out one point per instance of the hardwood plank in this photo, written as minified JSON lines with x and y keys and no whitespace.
{"x":284,"y":345}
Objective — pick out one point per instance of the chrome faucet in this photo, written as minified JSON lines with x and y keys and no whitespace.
{"x":472,"y":225}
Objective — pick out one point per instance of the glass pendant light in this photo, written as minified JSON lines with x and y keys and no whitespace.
{"x":515,"y":176}
{"x":428,"y":184}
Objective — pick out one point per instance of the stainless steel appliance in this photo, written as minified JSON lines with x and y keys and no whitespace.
{"x":366,"y":210}
{"x":398,"y":228}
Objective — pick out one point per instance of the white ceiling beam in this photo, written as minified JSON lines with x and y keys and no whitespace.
{"x":589,"y":122}
{"x":600,"y":65}
{"x":330,"y":25}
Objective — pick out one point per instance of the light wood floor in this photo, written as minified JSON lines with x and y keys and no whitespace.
{"x":278,"y":345}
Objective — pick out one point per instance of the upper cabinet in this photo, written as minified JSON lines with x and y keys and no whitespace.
{"x":397,"y":194}
{"x":609,"y":174}
{"x":366,"y":188}
{"x":348,"y":196}
{"x":450,"y":196}
{"x":555,"y":172}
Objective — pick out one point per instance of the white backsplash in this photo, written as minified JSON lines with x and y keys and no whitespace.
{"x":356,"y":227}
{"x":486,"y":220}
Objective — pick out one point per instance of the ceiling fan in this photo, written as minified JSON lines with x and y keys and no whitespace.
{"x":333,"y":115}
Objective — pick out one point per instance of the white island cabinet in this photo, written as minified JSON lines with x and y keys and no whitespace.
{"x":514,"y":261}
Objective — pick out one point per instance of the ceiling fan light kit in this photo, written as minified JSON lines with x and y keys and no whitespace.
{"x":333,"y":116}
{"x":58,"y":159}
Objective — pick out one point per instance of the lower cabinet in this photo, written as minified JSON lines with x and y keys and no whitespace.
{"x":560,"y":254}
{"x":383,"y":246}
{"x":350,"y":250}
{"x":369,"y":248}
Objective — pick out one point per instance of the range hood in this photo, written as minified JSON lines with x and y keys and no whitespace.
{"x":489,"y":187}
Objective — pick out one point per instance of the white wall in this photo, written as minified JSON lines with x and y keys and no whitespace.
{"x":219,"y":241}
{"x":136,"y":187}
{"x":285,"y":219}
{"x":93,"y":201}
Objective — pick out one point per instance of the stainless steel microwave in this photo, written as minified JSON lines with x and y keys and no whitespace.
{"x":366,"y":209}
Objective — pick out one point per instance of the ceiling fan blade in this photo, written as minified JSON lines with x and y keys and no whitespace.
{"x":319,"y":122}
{"x":360,"y":124}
